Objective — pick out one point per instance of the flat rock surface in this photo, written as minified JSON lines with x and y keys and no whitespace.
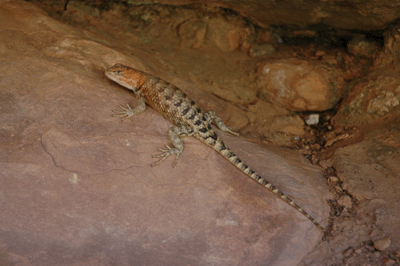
{"x":76,"y":186}
{"x":366,"y":230}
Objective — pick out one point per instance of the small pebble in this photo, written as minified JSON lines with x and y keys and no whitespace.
{"x":316,"y":146}
{"x":359,"y":251}
{"x":348,"y":252}
{"x":262,"y":50}
{"x":333,"y":179}
{"x":346,"y":202}
{"x":312,"y":119}
{"x":338,"y":189}
{"x":330,"y":135}
{"x":389,"y":262}
{"x":314,"y":159}
{"x":382,"y":244}
{"x":338,"y":130}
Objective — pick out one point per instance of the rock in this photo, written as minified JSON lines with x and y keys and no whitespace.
{"x":330,"y":142}
{"x":354,"y":15}
{"x":359,"y":46}
{"x":346,"y":202}
{"x":266,"y":36}
{"x":333,"y":179}
{"x":330,"y":135}
{"x":375,"y":193}
{"x":292,"y":125}
{"x":355,"y":175}
{"x":382,"y":244}
{"x":348,"y":252}
{"x":227,"y":36}
{"x":370,"y":101}
{"x":262,"y":50}
{"x":312,"y":119}
{"x":384,"y":101}
{"x":389,"y":262}
{"x":376,"y":98}
{"x":192,"y":33}
{"x":397,"y":253}
{"x":301,"y":85}
{"x":76,"y":186}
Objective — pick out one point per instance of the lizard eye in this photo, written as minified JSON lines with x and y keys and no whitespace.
{"x":118,"y":72}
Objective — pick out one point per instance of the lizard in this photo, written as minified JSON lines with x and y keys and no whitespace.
{"x":189,"y":120}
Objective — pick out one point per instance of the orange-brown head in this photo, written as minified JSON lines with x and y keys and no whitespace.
{"x":126,"y":76}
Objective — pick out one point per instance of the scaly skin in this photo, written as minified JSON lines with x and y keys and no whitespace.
{"x":189,"y":120}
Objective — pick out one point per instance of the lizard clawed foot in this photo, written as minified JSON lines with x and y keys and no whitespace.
{"x":166,"y":153}
{"x":126,"y":113}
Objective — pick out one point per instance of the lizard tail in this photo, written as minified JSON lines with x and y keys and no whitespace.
{"x":220,"y":147}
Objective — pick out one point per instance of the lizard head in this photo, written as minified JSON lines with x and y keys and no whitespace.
{"x":126,"y":76}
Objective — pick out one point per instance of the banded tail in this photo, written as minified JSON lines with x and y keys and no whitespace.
{"x":220,"y":147}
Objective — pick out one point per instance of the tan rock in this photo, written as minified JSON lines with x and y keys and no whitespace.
{"x":335,"y":139}
{"x":346,"y":202}
{"x":370,"y":101}
{"x":192,"y":33}
{"x":389,"y":262}
{"x":226,"y":36}
{"x":292,"y":125}
{"x":382,"y":244}
{"x":262,"y":50}
{"x":301,"y":85}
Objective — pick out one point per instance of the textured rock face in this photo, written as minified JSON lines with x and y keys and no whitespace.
{"x":375,"y":97}
{"x":353,"y":14}
{"x":76,"y":186}
{"x":370,"y":101}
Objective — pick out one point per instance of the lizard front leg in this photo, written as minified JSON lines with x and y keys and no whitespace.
{"x":175,"y":133}
{"x":211,"y":115}
{"x":128,"y":112}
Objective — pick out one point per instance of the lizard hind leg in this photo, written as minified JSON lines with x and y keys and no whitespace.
{"x":211,"y":115}
{"x":175,"y":133}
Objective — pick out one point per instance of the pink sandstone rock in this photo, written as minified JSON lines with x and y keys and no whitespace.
{"x":76,"y":186}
